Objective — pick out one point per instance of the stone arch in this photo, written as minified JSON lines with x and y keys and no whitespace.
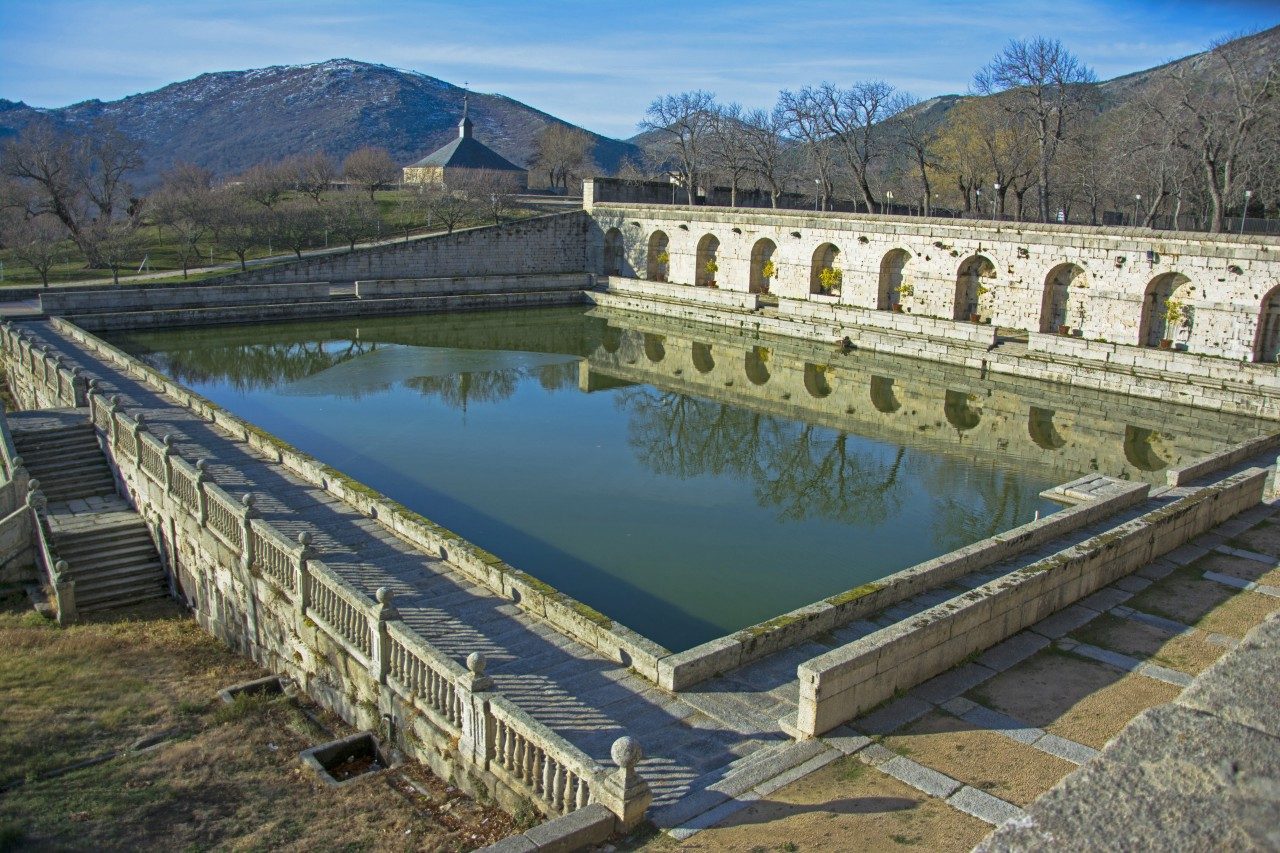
{"x":654,"y":350}
{"x":975,"y":274}
{"x":1057,"y":296}
{"x":761,"y":253}
{"x":1140,"y":448}
{"x":1267,"y":343}
{"x":655,"y":268}
{"x":756,"y":365}
{"x":1041,"y":429}
{"x":611,"y":340}
{"x":826,"y":256}
{"x":615,"y":252}
{"x":960,"y":414}
{"x":708,"y":251}
{"x":703,"y":361}
{"x":892,"y":274}
{"x":1159,"y":291}
{"x":815,"y":380}
{"x":883,"y":396}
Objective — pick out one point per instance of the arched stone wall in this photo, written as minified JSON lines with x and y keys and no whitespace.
{"x":1055,"y":306}
{"x":708,"y":252}
{"x":656,"y":267}
{"x":1160,"y":290}
{"x":761,"y":253}
{"x":892,"y":276}
{"x":1267,"y":347}
{"x":702,"y":358}
{"x":826,"y":256}
{"x":975,"y":280}
{"x":614,"y":253}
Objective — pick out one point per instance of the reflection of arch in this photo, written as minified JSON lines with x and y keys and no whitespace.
{"x":815,"y":380}
{"x":613,"y":252}
{"x":708,"y":246}
{"x":754,"y":365}
{"x":702,"y":359}
{"x":611,"y":340}
{"x":824,"y":257}
{"x":655,"y":268}
{"x":1139,"y":449}
{"x":761,"y":253}
{"x":1041,"y":429}
{"x":959,"y":413}
{"x":892,"y":269}
{"x":1267,"y":342}
{"x":1160,"y":290}
{"x":882,"y":396}
{"x":974,"y":272}
{"x":653,"y":348}
{"x":1057,"y":295}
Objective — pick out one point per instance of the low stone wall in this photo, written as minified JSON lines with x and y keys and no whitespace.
{"x":614,"y":641}
{"x":1204,"y":367}
{"x":1229,"y":457}
{"x":838,"y":686}
{"x":685,"y":669}
{"x":684,"y":292}
{"x":156,"y":297}
{"x":541,"y":245}
{"x":469,"y":285}
{"x":833,"y":313}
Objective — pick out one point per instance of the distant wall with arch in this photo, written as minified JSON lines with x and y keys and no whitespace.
{"x":1087,"y":283}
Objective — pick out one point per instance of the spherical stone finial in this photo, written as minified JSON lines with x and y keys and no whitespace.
{"x":168,"y":440}
{"x":33,"y":485}
{"x":248,"y":499}
{"x":93,"y":383}
{"x":304,"y":539}
{"x":384,"y":595}
{"x":626,"y":752}
{"x":476,"y":662}
{"x":141,"y":420}
{"x":115,"y":400}
{"x":201,"y":465}
{"x":17,"y":461}
{"x":61,"y":567}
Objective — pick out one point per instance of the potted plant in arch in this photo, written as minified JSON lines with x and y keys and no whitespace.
{"x":829,"y":280}
{"x":663,"y":265}
{"x":711,"y":269}
{"x":905,"y":289}
{"x":1175,"y":314}
{"x":982,"y":291}
{"x":767,"y":271}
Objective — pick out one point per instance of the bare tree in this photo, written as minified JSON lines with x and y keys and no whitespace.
{"x":683,"y":122}
{"x":116,"y":243}
{"x":353,"y":218}
{"x":917,"y":140}
{"x":728,"y":154}
{"x":313,"y":174}
{"x":492,"y":191}
{"x":445,"y":206}
{"x":803,"y":113}
{"x":296,"y":226}
{"x":79,"y":180}
{"x":562,"y":152}
{"x":1046,"y":84}
{"x":852,"y":117}
{"x":769,"y":157}
{"x":37,"y":242}
{"x":371,"y":169}
{"x":184,"y":204}
{"x":266,"y":184}
{"x":238,"y":224}
{"x":1216,"y":114}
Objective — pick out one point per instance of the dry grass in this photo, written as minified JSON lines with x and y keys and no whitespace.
{"x":228,"y":778}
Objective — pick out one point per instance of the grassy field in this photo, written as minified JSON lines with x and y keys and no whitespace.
{"x":224,"y":777}
{"x":159,"y":249}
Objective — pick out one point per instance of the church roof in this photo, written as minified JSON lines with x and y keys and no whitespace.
{"x":466,"y":152}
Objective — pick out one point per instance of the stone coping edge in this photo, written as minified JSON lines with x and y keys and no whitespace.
{"x":590,"y":825}
{"x":567,"y":614}
{"x":685,"y":669}
{"x":1223,"y":459}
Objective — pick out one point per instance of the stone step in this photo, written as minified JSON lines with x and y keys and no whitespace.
{"x":106,"y":533}
{"x":88,"y":589}
{"x":56,"y":452}
{"x":85,"y":565}
{"x":105,"y":550}
{"x":93,"y":576}
{"x":121,"y":598}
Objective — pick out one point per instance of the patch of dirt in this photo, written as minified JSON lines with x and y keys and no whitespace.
{"x":845,"y":806}
{"x":1074,"y":698}
{"x":984,"y":760}
{"x":1241,"y":567}
{"x":1186,"y":597}
{"x":1186,"y":653}
{"x":356,"y":765}
{"x":1264,"y":539}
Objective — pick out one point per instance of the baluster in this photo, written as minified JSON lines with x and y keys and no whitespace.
{"x":584,"y":795}
{"x":548,"y":779}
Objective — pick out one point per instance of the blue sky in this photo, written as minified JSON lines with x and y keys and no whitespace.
{"x":597,"y":64}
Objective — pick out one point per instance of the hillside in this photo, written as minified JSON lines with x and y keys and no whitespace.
{"x":229,"y":120}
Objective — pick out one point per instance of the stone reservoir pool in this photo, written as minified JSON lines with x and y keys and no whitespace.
{"x":682,"y":481}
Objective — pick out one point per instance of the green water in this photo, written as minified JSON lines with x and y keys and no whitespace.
{"x":683,"y":510}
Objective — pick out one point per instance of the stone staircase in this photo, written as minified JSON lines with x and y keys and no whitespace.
{"x":105,"y":543}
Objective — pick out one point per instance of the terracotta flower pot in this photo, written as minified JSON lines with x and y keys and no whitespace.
{"x":1166,"y":343}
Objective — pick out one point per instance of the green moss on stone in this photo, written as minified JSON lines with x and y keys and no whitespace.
{"x":854,"y":594}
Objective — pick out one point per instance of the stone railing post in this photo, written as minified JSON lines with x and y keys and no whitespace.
{"x":302,"y":572}
{"x":139,"y":427}
{"x":113,"y":407}
{"x":246,"y":531}
{"x":64,"y":591}
{"x":476,"y":744}
{"x":21,"y":480}
{"x":202,"y":497}
{"x":79,"y":387}
{"x":381,"y":645}
{"x":167,"y":455}
{"x":58,"y":391}
{"x":624,"y":793}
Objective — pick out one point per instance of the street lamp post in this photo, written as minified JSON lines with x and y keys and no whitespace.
{"x":888,"y":197}
{"x":817,"y":196}
{"x":996,"y":187}
{"x":978,"y":204}
{"x":1245,"y":212}
{"x":1137,"y":198}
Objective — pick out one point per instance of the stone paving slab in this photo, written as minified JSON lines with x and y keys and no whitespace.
{"x":984,"y":806}
{"x":1243,"y":686}
{"x":921,"y":778}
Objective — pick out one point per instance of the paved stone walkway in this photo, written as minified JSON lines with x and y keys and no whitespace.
{"x":708,"y":750}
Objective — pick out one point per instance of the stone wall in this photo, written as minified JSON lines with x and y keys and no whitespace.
{"x":543,"y":244}
{"x":838,"y":686}
{"x":1025,"y":276}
